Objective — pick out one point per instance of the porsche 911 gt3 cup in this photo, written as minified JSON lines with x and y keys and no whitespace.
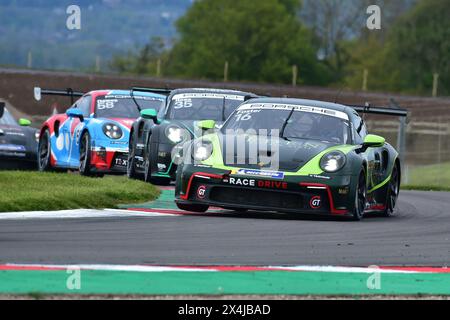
{"x":92,"y":135}
{"x":311,"y":157}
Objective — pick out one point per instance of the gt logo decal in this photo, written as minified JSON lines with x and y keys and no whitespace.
{"x":201,"y":192}
{"x":315,"y":202}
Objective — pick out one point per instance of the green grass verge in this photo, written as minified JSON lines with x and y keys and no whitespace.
{"x":425,"y":188}
{"x":433,"y":177}
{"x":35,"y":191}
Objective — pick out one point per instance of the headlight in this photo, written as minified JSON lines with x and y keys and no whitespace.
{"x":112,"y":131}
{"x":37,"y":135}
{"x":174,"y":134}
{"x":202,"y":151}
{"x":333,"y":161}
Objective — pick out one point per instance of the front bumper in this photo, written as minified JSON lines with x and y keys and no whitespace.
{"x":109,"y":160}
{"x":295,"y":194}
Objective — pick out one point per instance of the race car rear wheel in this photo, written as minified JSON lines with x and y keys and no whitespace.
{"x":360,"y":197}
{"x":392,"y":192}
{"x":44,"y":152}
{"x":192,"y":207}
{"x":131,"y":163}
{"x":85,"y":155}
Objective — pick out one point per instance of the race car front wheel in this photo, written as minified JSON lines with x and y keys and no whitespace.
{"x":162,"y":181}
{"x":360,"y":198}
{"x":44,"y":152}
{"x":192,"y":207}
{"x":392,"y":192}
{"x":85,"y":155}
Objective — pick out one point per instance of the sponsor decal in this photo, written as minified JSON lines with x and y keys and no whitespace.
{"x":199,"y":165}
{"x":261,"y":173}
{"x":242,"y":182}
{"x":256,"y":183}
{"x":208,"y":95}
{"x":12,"y":133}
{"x":317,"y":176}
{"x":273,"y":184}
{"x":299,"y":108}
{"x":119,"y":142}
{"x":12,"y":147}
{"x":201,"y":192}
{"x":315,"y":202}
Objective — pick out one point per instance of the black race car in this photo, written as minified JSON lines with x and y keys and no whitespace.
{"x":291,"y":155}
{"x":18,"y":142}
{"x":155,"y":134}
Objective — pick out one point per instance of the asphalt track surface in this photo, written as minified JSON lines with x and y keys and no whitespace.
{"x":418,"y":235}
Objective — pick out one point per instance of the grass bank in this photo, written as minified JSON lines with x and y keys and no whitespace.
{"x":35,"y":191}
{"x":428,"y":178}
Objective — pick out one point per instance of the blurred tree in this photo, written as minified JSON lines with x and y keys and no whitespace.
{"x":338,"y":22}
{"x":416,"y":46}
{"x":261,"y":42}
{"x":142,"y":61}
{"x":420,"y":44}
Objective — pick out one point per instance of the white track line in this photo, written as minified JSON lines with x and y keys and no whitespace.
{"x":78,"y":214}
{"x":144,"y":268}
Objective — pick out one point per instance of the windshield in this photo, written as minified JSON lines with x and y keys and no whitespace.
{"x":305,"y":122}
{"x":203,"y":106}
{"x":8,"y":119}
{"x":119,"y":106}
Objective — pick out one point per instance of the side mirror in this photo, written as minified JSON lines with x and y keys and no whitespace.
{"x":37,"y":93}
{"x":373,"y":141}
{"x":75,"y":113}
{"x":2,"y":109}
{"x":206,"y":124}
{"x":150,"y":114}
{"x":24,"y":122}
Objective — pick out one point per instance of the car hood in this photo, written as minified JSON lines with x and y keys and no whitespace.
{"x":188,"y":125}
{"x":17,"y":138}
{"x":274,"y":153}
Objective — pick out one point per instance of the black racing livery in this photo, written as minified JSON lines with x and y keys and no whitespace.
{"x":312,"y":157}
{"x":18,"y":142}
{"x":154,"y":135}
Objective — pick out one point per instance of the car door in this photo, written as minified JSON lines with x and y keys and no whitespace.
{"x":370,"y":154}
{"x":76,"y":127}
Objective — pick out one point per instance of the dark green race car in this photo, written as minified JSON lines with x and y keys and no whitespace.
{"x":154,"y":135}
{"x":291,"y":155}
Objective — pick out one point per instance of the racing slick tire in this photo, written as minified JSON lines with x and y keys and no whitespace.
{"x":192,"y":207}
{"x":131,"y":163}
{"x":44,"y":152}
{"x":85,"y":155}
{"x":148,"y":172}
{"x":392,"y":192}
{"x":360,"y":197}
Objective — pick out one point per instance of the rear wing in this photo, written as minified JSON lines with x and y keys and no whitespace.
{"x":38,"y":92}
{"x":2,"y":109}
{"x":368,"y":109}
{"x":164,"y":91}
